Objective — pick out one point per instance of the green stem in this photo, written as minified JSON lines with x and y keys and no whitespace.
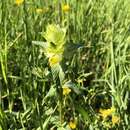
{"x":60,"y":105}
{"x":60,"y":12}
{"x":26,"y":23}
{"x":60,"y":100}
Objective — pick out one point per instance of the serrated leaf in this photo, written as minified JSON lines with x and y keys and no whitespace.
{"x":57,"y":72}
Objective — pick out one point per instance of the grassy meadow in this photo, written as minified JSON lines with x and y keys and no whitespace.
{"x":64,"y":65}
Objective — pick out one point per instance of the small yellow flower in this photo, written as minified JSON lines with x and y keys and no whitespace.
{"x":72,"y":124}
{"x":39,"y":10}
{"x":18,"y":2}
{"x":115,"y":119}
{"x":66,"y":90}
{"x":113,"y":109}
{"x":106,"y":112}
{"x":66,"y":8}
{"x":55,"y":59}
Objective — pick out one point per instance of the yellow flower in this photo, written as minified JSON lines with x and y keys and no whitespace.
{"x":39,"y":10}
{"x":115,"y":119}
{"x":18,"y":2}
{"x":65,"y":8}
{"x":106,"y":112}
{"x":66,"y":90}
{"x":72,"y":124}
{"x":55,"y":59}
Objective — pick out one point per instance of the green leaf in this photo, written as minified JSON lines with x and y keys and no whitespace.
{"x":57,"y":72}
{"x":52,"y":92}
{"x":61,"y":128}
{"x":73,"y":87}
{"x":83,"y":112}
{"x":44,"y":126}
{"x":2,"y":120}
{"x":3,"y":67}
{"x":61,"y":75}
{"x":39,"y":43}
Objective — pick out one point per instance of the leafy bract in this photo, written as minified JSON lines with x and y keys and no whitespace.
{"x":55,"y":39}
{"x":53,"y":48}
{"x":55,"y":34}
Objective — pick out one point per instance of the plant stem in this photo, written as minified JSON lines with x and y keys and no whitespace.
{"x":60,"y":12}
{"x":60,"y":105}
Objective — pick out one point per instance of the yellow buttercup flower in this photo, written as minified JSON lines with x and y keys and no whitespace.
{"x":18,"y":2}
{"x":115,"y":119}
{"x":66,"y":90}
{"x":66,"y":8}
{"x":106,"y":112}
{"x":55,"y":59}
{"x":72,"y":124}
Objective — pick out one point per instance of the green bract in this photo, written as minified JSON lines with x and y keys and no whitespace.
{"x":55,"y":34}
{"x":55,"y":37}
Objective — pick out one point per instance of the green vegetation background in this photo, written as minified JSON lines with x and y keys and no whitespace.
{"x":96,"y":62}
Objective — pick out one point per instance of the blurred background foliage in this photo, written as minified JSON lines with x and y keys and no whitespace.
{"x":95,"y":62}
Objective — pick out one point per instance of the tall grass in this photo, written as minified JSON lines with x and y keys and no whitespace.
{"x":95,"y":63}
